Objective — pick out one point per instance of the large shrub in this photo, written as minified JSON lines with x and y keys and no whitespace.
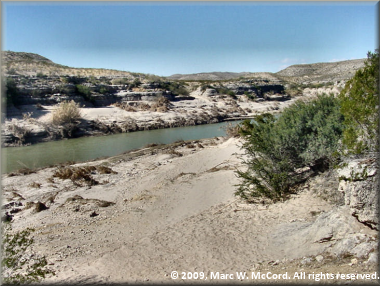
{"x":360,"y":107}
{"x":283,"y":151}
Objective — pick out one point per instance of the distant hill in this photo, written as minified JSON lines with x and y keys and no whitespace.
{"x":29,"y":64}
{"x":208,"y":76}
{"x":9,"y":56}
{"x":215,"y":76}
{"x":20,"y":63}
{"x":319,"y":71}
{"x":323,"y":71}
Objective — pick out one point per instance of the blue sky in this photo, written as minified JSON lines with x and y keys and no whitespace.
{"x":165,"y":38}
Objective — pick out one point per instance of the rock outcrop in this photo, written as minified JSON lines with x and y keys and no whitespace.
{"x":360,"y":184}
{"x":348,"y":228}
{"x":335,"y":232}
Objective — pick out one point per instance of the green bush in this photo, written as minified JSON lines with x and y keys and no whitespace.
{"x":103,"y":90}
{"x":84,"y":91}
{"x":136,"y":83}
{"x":175,"y":88}
{"x":223,"y":90}
{"x":360,"y":106}
{"x":74,"y":79}
{"x":12,"y":92}
{"x":120,"y":81}
{"x":284,"y":151}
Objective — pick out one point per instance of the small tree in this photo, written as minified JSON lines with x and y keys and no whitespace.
{"x":66,"y":113}
{"x":360,"y":107}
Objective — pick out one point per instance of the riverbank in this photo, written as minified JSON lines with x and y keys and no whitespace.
{"x":31,"y":124}
{"x":139,"y":216}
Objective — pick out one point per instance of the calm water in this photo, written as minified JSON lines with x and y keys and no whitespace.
{"x":88,"y":148}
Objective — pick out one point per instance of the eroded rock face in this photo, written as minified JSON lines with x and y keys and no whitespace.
{"x":335,"y":232}
{"x":358,"y":180}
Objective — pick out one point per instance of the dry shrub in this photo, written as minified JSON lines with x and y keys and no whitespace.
{"x":27,"y":116}
{"x":143,"y":106}
{"x":128,"y":108}
{"x":130,"y":124}
{"x":22,"y":171}
{"x":174,"y":152}
{"x":67,"y":112}
{"x":162,"y":104}
{"x":105,"y":170}
{"x":77,"y":174}
{"x":20,"y":132}
{"x":137,"y":106}
{"x":82,"y":201}
{"x":150,"y":145}
{"x":35,"y":185}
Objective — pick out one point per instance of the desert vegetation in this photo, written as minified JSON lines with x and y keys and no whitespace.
{"x":283,"y":150}
{"x":310,"y":136}
{"x":66,"y":113}
{"x":20,"y":264}
{"x":360,"y":106}
{"x":81,"y":175}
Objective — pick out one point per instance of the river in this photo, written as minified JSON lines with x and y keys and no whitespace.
{"x":89,"y":148}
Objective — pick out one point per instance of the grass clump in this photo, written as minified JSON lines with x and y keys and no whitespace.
{"x":67,"y":112}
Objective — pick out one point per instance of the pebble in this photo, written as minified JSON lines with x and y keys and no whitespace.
{"x":319,"y":258}
{"x":354,"y":261}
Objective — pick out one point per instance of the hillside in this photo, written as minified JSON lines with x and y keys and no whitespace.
{"x":29,"y":64}
{"x":209,"y":76}
{"x":342,"y":70}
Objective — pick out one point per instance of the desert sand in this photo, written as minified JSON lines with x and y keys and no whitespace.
{"x":172,"y":208}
